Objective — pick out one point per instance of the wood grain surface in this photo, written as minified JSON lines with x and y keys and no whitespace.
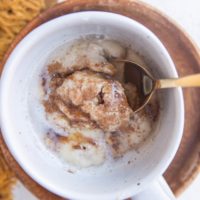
{"x":186,"y":57}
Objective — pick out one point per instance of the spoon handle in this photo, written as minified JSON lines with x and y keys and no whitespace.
{"x":187,"y":81}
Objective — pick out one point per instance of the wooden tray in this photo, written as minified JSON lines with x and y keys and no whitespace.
{"x":186,"y":57}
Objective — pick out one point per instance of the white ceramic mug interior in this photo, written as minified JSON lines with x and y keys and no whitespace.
{"x":112,"y":182}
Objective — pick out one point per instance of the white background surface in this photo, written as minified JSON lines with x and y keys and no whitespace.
{"x":187,"y":14}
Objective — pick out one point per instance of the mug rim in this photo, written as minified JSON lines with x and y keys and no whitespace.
{"x":76,"y":16}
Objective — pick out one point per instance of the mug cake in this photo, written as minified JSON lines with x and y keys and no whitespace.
{"x":88,"y":105}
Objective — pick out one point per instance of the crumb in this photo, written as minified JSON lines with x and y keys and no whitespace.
{"x":70,"y":171}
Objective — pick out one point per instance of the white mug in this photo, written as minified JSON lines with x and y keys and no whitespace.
{"x":143,"y":177}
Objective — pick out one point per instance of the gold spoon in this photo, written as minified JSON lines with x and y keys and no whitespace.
{"x":147,"y":84}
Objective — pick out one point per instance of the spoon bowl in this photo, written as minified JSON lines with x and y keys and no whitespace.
{"x":142,"y":79}
{"x":146,"y":83}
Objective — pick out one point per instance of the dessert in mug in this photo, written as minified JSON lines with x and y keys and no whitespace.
{"x":89,"y":106}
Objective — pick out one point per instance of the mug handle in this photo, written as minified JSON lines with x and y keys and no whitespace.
{"x":158,"y":190}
